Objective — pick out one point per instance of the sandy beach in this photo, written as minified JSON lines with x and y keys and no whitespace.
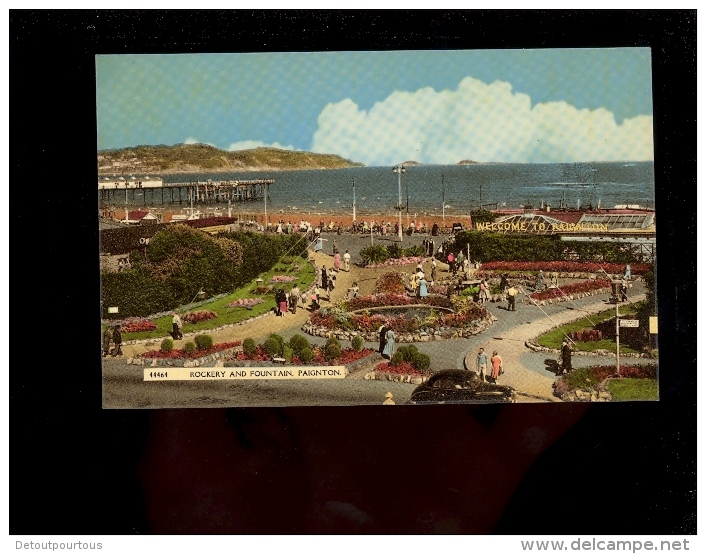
{"x":245,"y":214}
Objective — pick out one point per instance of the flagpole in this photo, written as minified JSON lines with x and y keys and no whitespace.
{"x":443,"y":201}
{"x":354,"y":200}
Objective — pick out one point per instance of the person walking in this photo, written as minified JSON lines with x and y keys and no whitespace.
{"x":315,"y":299}
{"x":337,"y":261}
{"x":347,"y":261}
{"x":481,"y":363}
{"x":324,"y":278}
{"x":566,"y":356}
{"x":118,"y":341}
{"x":282,"y":302}
{"x":389,"y":349}
{"x":107,"y":337}
{"x":497,"y":370}
{"x":294,"y":295}
{"x":511,"y":294}
{"x":176,"y":326}
{"x":484,"y":294}
{"x":504,"y":285}
{"x":423,"y":291}
{"x":382,"y":333}
{"x":433,"y":271}
{"x":450,"y":260}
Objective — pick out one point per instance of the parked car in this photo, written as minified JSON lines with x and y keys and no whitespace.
{"x":450,"y":386}
{"x":457,"y":227}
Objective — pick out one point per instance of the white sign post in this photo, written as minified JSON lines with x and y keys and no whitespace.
{"x":629,"y":322}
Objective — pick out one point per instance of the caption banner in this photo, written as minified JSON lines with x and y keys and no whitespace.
{"x":234,"y":373}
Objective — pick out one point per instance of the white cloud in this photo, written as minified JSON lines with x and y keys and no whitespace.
{"x":250,"y":144}
{"x":481,"y":122}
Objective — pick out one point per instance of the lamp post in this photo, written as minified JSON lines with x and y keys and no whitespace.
{"x":399,"y":169}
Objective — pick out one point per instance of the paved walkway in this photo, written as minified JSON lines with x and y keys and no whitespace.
{"x":534,"y":383}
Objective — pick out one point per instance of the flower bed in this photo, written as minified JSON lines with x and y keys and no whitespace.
{"x":407,"y":260}
{"x":438,"y":289}
{"x":136,"y":325}
{"x":282,"y":279}
{"x":348,"y":356}
{"x":565,"y":267}
{"x":382,"y":300}
{"x":391,"y":283}
{"x":177,"y":354}
{"x":199,"y":315}
{"x":589,"y":384}
{"x":402,"y":368}
{"x":586,"y":335}
{"x":245,"y":303}
{"x":464,"y":325}
{"x":573,"y":288}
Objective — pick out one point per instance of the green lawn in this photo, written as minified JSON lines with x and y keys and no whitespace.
{"x":553,"y":338}
{"x":634,"y":389}
{"x":228,"y":315}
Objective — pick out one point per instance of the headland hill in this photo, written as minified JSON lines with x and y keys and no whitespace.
{"x":204,"y":158}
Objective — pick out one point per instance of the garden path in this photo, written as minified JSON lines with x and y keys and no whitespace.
{"x":534,"y":384}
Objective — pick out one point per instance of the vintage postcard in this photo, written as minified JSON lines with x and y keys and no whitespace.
{"x":368,"y":228}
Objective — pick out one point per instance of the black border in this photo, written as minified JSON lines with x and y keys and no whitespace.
{"x":66,"y":451}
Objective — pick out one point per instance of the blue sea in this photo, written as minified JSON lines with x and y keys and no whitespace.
{"x":425,"y":189}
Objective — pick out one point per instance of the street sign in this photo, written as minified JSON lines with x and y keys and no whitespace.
{"x":653,"y":325}
{"x":629,"y":322}
{"x":113,"y":310}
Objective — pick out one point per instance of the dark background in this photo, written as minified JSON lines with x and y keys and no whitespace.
{"x":75,"y":468}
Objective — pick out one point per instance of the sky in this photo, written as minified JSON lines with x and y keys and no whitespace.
{"x":382,"y":108}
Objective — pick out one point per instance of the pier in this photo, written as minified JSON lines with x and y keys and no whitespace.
{"x":156,"y":192}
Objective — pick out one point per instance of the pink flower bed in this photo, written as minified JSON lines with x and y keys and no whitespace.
{"x":574,"y":288}
{"x":199,"y":315}
{"x":565,"y":267}
{"x":245,"y":302}
{"x":397,"y":261}
{"x":380,"y":300}
{"x":137,"y":325}
{"x":364,"y":323}
{"x":282,"y":279}
{"x":180,"y":353}
{"x":438,"y":289}
{"x":391,"y":283}
{"x":402,"y":368}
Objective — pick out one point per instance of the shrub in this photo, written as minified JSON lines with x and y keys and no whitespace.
{"x":279,"y":340}
{"x":411,"y":355}
{"x":190,"y":347}
{"x":306,"y":355}
{"x":394,"y":250}
{"x":249,"y":347}
{"x":412,"y":251}
{"x":272,"y":346}
{"x":203,"y":342}
{"x":422,"y":362}
{"x":333,"y":340}
{"x":167,"y":345}
{"x":287,"y":353}
{"x":298,"y":343}
{"x":357,"y":343}
{"x":332,"y":351}
{"x":374,"y":254}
